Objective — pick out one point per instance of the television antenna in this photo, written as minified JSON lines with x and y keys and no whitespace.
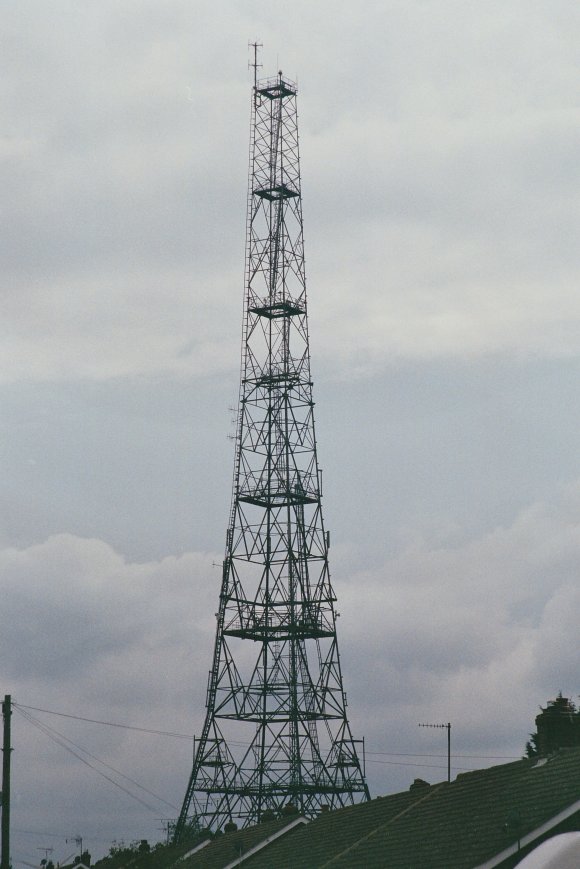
{"x":447,"y":727}
{"x":78,"y":840}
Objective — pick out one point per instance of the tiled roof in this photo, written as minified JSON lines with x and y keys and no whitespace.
{"x":227,"y":848}
{"x":465,"y":823}
{"x":331,"y":833}
{"x":462,"y":825}
{"x":448,"y":826}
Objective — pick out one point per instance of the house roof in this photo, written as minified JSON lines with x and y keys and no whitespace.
{"x":472,"y":822}
{"x":229,"y":847}
{"x":331,"y":833}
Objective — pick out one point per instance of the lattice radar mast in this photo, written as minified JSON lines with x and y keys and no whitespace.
{"x":276,"y":730}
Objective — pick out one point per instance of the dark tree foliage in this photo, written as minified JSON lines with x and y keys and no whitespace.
{"x":532,"y":745}
{"x":141,"y":855}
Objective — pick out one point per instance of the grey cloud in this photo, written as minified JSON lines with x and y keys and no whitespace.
{"x":438,"y":183}
{"x":74,"y":608}
{"x":438,"y":160}
{"x":441,"y":633}
{"x":432,"y":635}
{"x":86,"y":632}
{"x":402,"y":631}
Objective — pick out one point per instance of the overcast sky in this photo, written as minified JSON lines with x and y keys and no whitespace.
{"x":439,"y":156}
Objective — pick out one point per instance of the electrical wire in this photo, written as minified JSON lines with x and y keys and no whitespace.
{"x":66,"y":744}
{"x":426,"y":765}
{"x":47,"y":731}
{"x":106,"y":723}
{"x":370,"y":755}
{"x":465,"y":756}
{"x":38,"y":833}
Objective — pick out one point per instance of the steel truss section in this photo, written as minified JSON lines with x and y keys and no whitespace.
{"x":276,"y":729}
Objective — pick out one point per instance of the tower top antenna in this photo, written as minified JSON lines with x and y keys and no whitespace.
{"x":255,"y":46}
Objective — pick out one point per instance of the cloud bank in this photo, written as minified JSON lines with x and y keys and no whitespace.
{"x":472,"y":633}
{"x":439,"y":182}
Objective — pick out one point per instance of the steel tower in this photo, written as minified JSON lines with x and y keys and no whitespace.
{"x":276,"y":729}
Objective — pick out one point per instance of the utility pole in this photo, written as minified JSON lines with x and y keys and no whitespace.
{"x":6,"y":749}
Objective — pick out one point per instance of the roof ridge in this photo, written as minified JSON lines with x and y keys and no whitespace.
{"x":263,"y":843}
{"x":432,"y":790}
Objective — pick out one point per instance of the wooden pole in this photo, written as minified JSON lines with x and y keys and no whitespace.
{"x":6,"y":749}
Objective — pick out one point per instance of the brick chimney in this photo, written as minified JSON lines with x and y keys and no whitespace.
{"x":558,"y":726}
{"x":419,"y":785}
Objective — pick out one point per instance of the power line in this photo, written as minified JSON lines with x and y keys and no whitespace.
{"x":118,"y":772}
{"x":427,"y":765}
{"x":62,"y":741}
{"x":46,"y":730}
{"x":106,"y":723}
{"x":465,"y":756}
{"x":370,"y":755}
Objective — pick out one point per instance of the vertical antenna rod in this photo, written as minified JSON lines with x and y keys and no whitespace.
{"x":7,"y":750}
{"x":255,"y":64}
{"x":447,"y":727}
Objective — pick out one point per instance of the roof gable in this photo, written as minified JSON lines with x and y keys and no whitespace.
{"x":234,"y":849}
